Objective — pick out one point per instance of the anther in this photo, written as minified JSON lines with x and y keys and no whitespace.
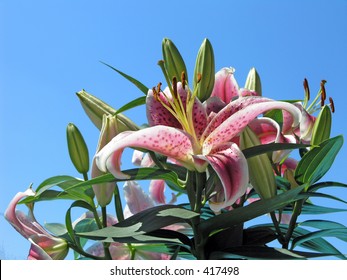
{"x":324,"y":95}
{"x":332,"y":106}
{"x":183,"y":79}
{"x":174,"y":86}
{"x":307,"y":89}
{"x":198,"y":77}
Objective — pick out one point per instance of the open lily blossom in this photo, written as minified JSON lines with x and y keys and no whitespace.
{"x":180,"y":129}
{"x":227,"y":154}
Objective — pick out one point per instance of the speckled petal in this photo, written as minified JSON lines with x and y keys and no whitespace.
{"x":231,"y":109}
{"x":233,"y":125}
{"x":168,"y":141}
{"x":231,"y":167}
{"x":157,"y":114}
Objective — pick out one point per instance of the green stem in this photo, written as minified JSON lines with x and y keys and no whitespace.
{"x":280,"y":238}
{"x":118,"y":204}
{"x":292,"y":224}
{"x":106,"y":245}
{"x":85,"y":176}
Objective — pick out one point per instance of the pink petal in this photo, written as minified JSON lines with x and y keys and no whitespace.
{"x":46,"y":247}
{"x":231,"y":109}
{"x":135,"y":198}
{"x":24,"y":224}
{"x":213,"y":105}
{"x":225,"y":85}
{"x":306,"y":126}
{"x":231,"y":167}
{"x":165,"y":140}
{"x":157,"y":114}
{"x":156,"y":190}
{"x":234,"y":124}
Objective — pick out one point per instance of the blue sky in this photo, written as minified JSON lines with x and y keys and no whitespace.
{"x":51,"y":49}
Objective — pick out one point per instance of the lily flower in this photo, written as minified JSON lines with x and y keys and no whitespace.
{"x":44,"y":246}
{"x":181,"y":129}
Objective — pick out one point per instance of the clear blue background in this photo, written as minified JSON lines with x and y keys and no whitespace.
{"x":51,"y":49}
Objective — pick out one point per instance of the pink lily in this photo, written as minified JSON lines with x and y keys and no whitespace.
{"x":180,"y":129}
{"x":44,"y":245}
{"x":226,"y":87}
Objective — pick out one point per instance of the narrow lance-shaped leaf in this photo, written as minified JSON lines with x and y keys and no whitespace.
{"x":138,"y":84}
{"x":316,"y":162}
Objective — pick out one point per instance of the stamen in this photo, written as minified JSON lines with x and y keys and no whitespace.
{"x":174,"y":86}
{"x":183,"y":79}
{"x":324,"y":95}
{"x":307,"y":89}
{"x":322,"y":100}
{"x":332,"y":106}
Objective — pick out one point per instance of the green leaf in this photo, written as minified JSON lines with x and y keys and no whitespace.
{"x":318,"y":244}
{"x":44,"y":192}
{"x":323,"y":195}
{"x":261,"y":149}
{"x":138,"y":84}
{"x":320,"y":185}
{"x":309,"y":208}
{"x":331,"y":232}
{"x":262,"y":253}
{"x":135,"y":174}
{"x":138,"y":227}
{"x":132,"y":104}
{"x":324,"y":224}
{"x":246,"y":213}
{"x":316,"y":162}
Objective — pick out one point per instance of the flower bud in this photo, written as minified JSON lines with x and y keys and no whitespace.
{"x":96,"y":108}
{"x":253,"y":81}
{"x":173,"y":60}
{"x":204,"y":72}
{"x":322,"y":126}
{"x":104,"y":191}
{"x":225,"y":85}
{"x":261,"y":174}
{"x":78,"y":150}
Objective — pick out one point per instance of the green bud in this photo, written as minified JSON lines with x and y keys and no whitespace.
{"x":78,"y":150}
{"x":253,"y":81}
{"x":322,"y":126}
{"x":104,"y":191}
{"x":96,"y":108}
{"x":204,"y":72}
{"x":261,"y":174}
{"x":173,"y":61}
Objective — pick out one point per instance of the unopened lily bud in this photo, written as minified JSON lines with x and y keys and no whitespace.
{"x":225,"y":85}
{"x":261,"y":175}
{"x":104,"y":191}
{"x":204,"y":72}
{"x":253,"y":81}
{"x":96,"y":108}
{"x":78,"y":149}
{"x":322,"y":126}
{"x":173,"y":61}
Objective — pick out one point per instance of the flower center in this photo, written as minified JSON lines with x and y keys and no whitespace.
{"x":181,"y":109}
